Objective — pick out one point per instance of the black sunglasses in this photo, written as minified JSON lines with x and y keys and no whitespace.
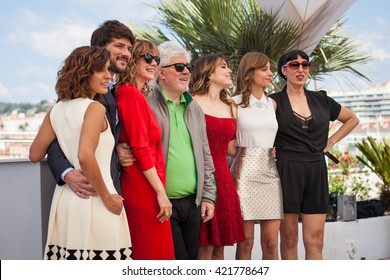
{"x":149,"y":58}
{"x":179,"y":67}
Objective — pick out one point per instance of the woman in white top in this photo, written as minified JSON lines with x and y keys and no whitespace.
{"x":254,"y":169}
{"x":94,"y":228}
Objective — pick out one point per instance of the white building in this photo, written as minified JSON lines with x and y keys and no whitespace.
{"x":372,"y":106}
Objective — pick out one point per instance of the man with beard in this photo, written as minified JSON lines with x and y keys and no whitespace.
{"x":118,"y":39}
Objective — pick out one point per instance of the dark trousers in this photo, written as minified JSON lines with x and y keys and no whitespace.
{"x":185,"y":224}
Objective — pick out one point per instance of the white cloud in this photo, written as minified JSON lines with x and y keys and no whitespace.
{"x":29,"y":18}
{"x":124,"y":11}
{"x":382,"y":54}
{"x":33,"y":93}
{"x":54,"y":37}
{"x":35,"y":71}
{"x":374,"y":39}
{"x":381,"y":22}
{"x":37,"y":40}
{"x":27,"y":92}
{"x":56,"y":42}
{"x":61,"y":40}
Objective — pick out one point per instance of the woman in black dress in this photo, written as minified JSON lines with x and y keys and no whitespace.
{"x":301,"y":141}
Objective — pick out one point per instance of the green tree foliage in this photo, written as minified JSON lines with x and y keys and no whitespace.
{"x":7,"y":108}
{"x":235,"y":27}
{"x":376,"y":156}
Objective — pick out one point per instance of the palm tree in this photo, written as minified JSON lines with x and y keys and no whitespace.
{"x":235,"y":27}
{"x":376,"y":156}
{"x":336,"y":52}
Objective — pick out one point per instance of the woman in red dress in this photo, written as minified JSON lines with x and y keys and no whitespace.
{"x":209,"y":80}
{"x":143,"y":184}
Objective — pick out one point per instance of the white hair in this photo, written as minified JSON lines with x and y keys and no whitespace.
{"x":171,"y":49}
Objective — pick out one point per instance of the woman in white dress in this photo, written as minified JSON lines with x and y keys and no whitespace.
{"x":93,"y":228}
{"x":253,"y":168}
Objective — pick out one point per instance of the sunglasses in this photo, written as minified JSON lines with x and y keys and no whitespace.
{"x":179,"y":67}
{"x":149,"y":58}
{"x":294,"y":65}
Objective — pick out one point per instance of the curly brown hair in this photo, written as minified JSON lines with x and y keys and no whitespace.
{"x":140,"y":48}
{"x":72,"y":78}
{"x":249,"y":62}
{"x":200,"y":82}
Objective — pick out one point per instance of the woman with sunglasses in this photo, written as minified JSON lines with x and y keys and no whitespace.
{"x":209,"y":79}
{"x":302,"y":139}
{"x":143,"y":183}
{"x":253,"y":168}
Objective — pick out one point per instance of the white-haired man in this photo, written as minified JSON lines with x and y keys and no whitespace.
{"x":190,"y":170}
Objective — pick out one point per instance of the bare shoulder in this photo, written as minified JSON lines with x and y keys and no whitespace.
{"x":235,"y":112}
{"x":95,"y":116}
{"x":234,"y":108}
{"x":97,"y":107}
{"x":200,"y":101}
{"x":95,"y":111}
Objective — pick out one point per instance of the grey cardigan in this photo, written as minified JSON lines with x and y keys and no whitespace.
{"x":196,"y":124}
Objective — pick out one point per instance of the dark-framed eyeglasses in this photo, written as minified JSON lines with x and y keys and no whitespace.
{"x":294,"y":65}
{"x":179,"y":67}
{"x":149,"y":58}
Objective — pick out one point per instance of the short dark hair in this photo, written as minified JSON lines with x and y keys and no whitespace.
{"x":109,"y":30}
{"x":288,"y":56}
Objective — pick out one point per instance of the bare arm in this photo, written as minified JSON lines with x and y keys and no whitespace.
{"x":38,"y":149}
{"x":349,"y":120}
{"x":135,"y":123}
{"x":209,"y":188}
{"x":42,"y":141}
{"x":94,"y":123}
{"x":232,"y":148}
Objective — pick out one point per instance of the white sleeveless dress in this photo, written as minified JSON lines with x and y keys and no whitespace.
{"x":83,"y":228}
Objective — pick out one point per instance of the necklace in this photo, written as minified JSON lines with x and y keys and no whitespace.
{"x":260,"y":104}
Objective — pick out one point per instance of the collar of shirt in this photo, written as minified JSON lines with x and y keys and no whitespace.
{"x":111,"y":83}
{"x":170,"y":102}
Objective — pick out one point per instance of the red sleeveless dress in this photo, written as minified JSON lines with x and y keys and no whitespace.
{"x":227,"y":226}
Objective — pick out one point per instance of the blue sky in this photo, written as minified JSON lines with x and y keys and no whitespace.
{"x":36,"y":36}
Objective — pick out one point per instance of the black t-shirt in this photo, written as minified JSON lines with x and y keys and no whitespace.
{"x":292,"y":141}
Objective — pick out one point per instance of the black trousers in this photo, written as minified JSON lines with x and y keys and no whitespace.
{"x":185,"y":224}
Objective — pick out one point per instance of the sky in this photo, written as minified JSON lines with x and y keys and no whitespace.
{"x":36,"y":36}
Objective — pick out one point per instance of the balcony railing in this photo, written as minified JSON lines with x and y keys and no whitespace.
{"x":25,"y":198}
